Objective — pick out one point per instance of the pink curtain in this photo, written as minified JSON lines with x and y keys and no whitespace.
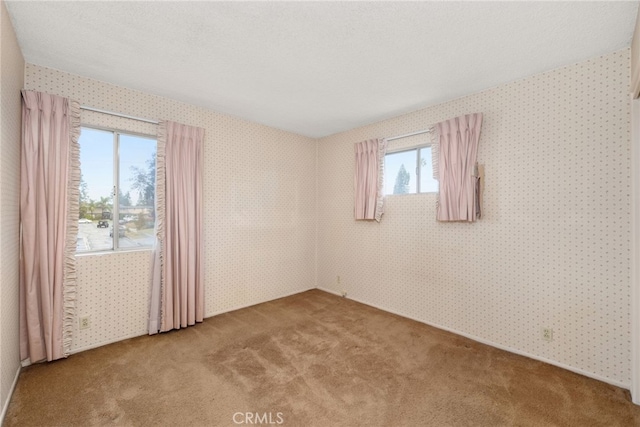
{"x":368,"y":181}
{"x":49,"y":210}
{"x":455,"y":167}
{"x":177,"y":296}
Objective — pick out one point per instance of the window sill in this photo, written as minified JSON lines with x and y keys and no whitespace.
{"x":410,"y":194}
{"x":112,"y":252}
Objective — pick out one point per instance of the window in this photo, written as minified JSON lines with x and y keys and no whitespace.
{"x":409,"y":172}
{"x":123,"y":164}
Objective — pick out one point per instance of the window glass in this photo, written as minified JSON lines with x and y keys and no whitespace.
{"x":399,"y":172}
{"x":96,"y":190}
{"x":136,"y":190}
{"x":401,"y":176}
{"x":427,"y":183}
{"x":128,"y":221}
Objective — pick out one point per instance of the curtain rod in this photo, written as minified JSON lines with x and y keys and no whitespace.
{"x":111,"y":113}
{"x":409,"y":134}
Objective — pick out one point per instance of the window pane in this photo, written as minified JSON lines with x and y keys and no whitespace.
{"x":137,"y":189}
{"x":427,"y":183}
{"x":96,"y":187}
{"x":399,"y":172}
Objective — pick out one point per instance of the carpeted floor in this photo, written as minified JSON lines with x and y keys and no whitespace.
{"x":312,"y":359}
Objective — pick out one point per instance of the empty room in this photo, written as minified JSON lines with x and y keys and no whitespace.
{"x":319,"y":213}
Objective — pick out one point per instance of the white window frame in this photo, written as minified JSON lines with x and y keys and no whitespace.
{"x":417,"y":149}
{"x":116,"y":183}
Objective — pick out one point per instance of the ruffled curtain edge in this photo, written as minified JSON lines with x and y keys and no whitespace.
{"x":157,"y":276}
{"x":382,"y":151}
{"x":70,"y":281}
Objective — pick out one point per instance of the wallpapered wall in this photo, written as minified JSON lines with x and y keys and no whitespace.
{"x":551,"y":251}
{"x":553,"y":248}
{"x":259,"y":211}
{"x":11,"y":81}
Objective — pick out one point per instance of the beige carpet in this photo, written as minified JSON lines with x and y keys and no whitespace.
{"x":313,"y":359}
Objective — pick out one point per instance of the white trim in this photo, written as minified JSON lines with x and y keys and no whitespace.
{"x":115,"y":196}
{"x":145,"y":332}
{"x":336,"y":293}
{"x":103,"y":343}
{"x":117,"y":134}
{"x":240,"y":307}
{"x":112,"y":252}
{"x":5,"y":405}
{"x":125,"y":116}
{"x":635,"y":251}
{"x":417,"y":171}
{"x":403,"y":149}
{"x":118,"y":130}
{"x":493,"y":344}
{"x":317,"y":222}
{"x":420,"y":132}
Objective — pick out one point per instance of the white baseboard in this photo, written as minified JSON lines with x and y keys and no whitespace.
{"x":240,"y":307}
{"x":635,"y":251}
{"x":493,"y":344}
{"x":101,"y":343}
{"x":331,"y":291}
{"x":5,"y":404}
{"x":126,"y":337}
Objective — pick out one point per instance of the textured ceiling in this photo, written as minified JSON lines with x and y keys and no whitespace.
{"x":316,"y":68}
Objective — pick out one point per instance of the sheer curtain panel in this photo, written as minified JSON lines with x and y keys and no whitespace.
{"x":177,"y":293}
{"x":455,"y":150}
{"x":49,"y":210}
{"x":369,"y":179}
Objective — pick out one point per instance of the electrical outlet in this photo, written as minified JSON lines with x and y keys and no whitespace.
{"x":547,"y":334}
{"x":85,"y":322}
{"x":338,"y":280}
